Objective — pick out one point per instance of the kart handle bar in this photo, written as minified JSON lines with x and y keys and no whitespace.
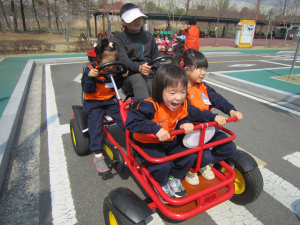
{"x":196,"y":127}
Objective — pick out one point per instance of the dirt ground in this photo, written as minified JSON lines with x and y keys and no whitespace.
{"x":58,"y":39}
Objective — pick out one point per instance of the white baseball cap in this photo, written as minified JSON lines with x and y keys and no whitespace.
{"x":132,"y":14}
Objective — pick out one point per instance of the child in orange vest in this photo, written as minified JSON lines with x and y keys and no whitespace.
{"x":203,"y":97}
{"x":167,"y":110}
{"x":99,"y":98}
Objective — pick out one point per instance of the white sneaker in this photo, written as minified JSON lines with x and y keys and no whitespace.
{"x":191,"y":140}
{"x":192,"y":178}
{"x":207,"y":173}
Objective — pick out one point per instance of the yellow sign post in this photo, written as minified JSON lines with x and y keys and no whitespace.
{"x":245,"y":33}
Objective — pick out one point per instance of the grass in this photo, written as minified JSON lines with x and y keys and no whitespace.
{"x":294,"y":79}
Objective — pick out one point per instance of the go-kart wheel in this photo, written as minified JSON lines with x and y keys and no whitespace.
{"x":248,"y":185}
{"x":112,"y":216}
{"x":80,"y":143}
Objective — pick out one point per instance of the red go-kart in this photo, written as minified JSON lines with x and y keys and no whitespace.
{"x":237,"y":179}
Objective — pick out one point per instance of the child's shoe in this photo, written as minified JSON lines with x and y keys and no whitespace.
{"x":207,"y":173}
{"x":191,"y":140}
{"x":168,"y":191}
{"x":177,"y":188}
{"x":192,"y":178}
{"x":100,"y":163}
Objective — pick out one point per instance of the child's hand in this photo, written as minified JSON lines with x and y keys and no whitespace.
{"x":187,"y":127}
{"x":145,"y":69}
{"x":125,"y":74}
{"x":221,"y":120}
{"x":163,"y":135}
{"x":239,"y":115}
{"x":93,"y":73}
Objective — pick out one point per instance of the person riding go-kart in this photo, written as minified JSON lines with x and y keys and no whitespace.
{"x":237,"y":178}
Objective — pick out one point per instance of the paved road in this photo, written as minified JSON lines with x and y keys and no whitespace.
{"x":47,"y":183}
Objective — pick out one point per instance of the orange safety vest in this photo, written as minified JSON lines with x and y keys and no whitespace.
{"x":102,"y":92}
{"x":196,"y":94}
{"x":165,"y":118}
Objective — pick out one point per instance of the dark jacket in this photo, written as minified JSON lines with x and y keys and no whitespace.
{"x":135,"y":49}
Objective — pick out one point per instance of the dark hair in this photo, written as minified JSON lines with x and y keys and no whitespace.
{"x":192,"y":21}
{"x":168,"y":75}
{"x":192,"y":59}
{"x":127,"y":7}
{"x":104,"y":46}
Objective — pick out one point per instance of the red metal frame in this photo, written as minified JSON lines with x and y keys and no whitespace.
{"x":205,"y":199}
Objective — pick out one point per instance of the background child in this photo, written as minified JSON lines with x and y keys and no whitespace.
{"x":100,"y":98}
{"x":166,"y":111}
{"x":203,"y":96}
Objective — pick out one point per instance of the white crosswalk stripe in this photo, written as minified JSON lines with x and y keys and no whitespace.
{"x":294,"y":159}
{"x":283,"y":191}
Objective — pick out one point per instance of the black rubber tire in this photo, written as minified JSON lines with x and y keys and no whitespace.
{"x":254,"y":186}
{"x":119,"y":217}
{"x":80,"y":143}
{"x":253,"y":182}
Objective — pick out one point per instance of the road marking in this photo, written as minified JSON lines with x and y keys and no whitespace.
{"x":63,"y":210}
{"x":283,"y":191}
{"x":248,"y":70}
{"x":64,"y":129}
{"x":255,"y":98}
{"x":228,"y":213}
{"x":242,"y":65}
{"x":256,"y":60}
{"x":293,"y":158}
{"x":275,"y":63}
{"x":154,"y":219}
{"x":78,"y":78}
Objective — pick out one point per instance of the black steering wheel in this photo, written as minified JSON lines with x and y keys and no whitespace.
{"x":116,"y":73}
{"x":159,"y":58}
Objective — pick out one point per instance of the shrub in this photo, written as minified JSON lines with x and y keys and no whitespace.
{"x":25,"y":45}
{"x":82,"y":46}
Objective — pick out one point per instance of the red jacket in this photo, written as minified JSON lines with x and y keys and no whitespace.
{"x":192,"y":37}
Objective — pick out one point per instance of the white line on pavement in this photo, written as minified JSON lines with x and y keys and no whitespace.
{"x":255,"y":98}
{"x":293,"y":158}
{"x":63,"y":210}
{"x":228,"y":213}
{"x":283,"y":191}
{"x":275,"y":63}
{"x":64,"y":129}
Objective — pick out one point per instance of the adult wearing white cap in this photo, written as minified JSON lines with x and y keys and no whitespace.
{"x":136,"y":48}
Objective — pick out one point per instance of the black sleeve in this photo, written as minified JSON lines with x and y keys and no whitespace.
{"x":218,"y":100}
{"x":197,"y":115}
{"x":88,"y":83}
{"x":140,"y":120}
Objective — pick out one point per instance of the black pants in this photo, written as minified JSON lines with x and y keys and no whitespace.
{"x":95,"y":110}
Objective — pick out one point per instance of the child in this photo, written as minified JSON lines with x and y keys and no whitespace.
{"x":137,"y":48}
{"x":167,"y":110}
{"x":203,"y":96}
{"x":100,"y":98}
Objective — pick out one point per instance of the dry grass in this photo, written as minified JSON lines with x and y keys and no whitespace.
{"x":294,"y":79}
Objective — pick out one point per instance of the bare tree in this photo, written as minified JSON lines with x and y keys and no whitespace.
{"x":36,"y":18}
{"x":221,"y":8}
{"x":287,"y":10}
{"x":23,"y":15}
{"x":4,"y":15}
{"x":49,"y":16}
{"x":12,"y":6}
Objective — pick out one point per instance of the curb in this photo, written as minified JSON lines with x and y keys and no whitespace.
{"x":11,"y":116}
{"x":12,"y":113}
{"x":258,"y":88}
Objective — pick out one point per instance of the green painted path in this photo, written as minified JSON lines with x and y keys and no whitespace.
{"x":267,"y":78}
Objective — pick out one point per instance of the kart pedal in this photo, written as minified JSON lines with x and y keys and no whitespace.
{"x":107,"y":175}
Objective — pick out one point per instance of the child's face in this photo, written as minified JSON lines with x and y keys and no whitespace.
{"x":108,"y":57}
{"x":135,"y":26}
{"x":174,"y":96}
{"x":196,"y":75}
